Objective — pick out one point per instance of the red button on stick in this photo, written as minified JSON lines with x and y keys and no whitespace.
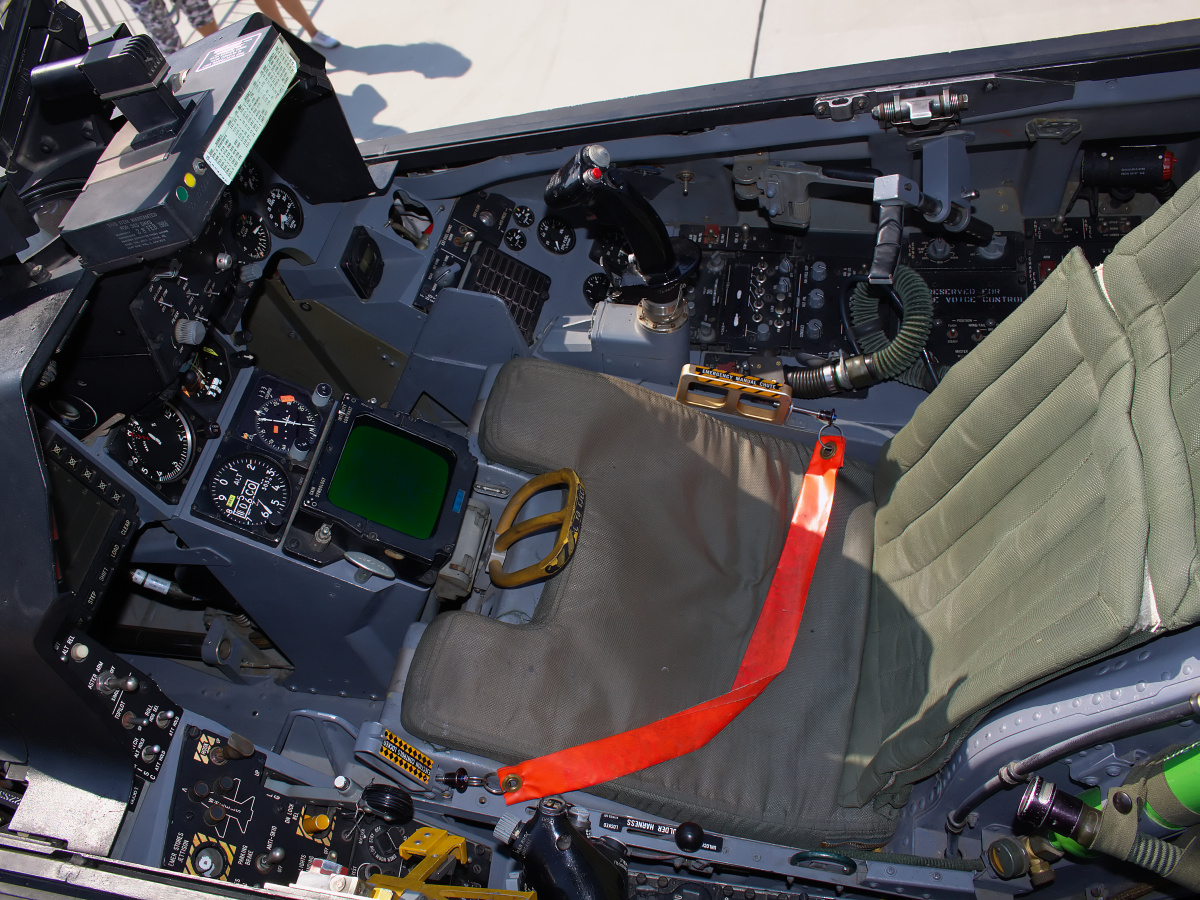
{"x":597,"y":173}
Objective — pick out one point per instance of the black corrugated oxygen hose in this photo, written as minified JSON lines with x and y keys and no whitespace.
{"x":885,"y":359}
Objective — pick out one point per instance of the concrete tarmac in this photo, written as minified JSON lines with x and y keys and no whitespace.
{"x":405,"y":66}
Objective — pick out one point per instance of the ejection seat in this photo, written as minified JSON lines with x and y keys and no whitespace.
{"x":1037,"y":512}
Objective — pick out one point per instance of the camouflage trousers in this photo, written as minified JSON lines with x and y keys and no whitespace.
{"x":158,"y":22}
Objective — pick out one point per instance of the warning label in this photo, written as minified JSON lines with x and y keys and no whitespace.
{"x":141,"y":232}
{"x":229,"y":52}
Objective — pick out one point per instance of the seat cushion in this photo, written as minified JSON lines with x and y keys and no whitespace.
{"x":686,"y":517}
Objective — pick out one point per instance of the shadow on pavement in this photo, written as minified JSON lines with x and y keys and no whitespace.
{"x":431,"y":60}
{"x":361,"y":108}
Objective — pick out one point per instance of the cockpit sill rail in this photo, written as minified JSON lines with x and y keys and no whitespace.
{"x":877,"y":877}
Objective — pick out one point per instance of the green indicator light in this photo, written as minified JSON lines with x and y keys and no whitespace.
{"x":181,"y":193}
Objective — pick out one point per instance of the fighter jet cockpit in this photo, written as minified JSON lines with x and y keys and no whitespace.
{"x":775,"y":491}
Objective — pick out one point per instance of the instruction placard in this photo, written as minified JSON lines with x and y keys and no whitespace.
{"x":237,"y":134}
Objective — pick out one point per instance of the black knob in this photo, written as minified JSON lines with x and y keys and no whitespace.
{"x":456,"y":780}
{"x":689,"y":837}
{"x":214,"y":815}
{"x":200,"y":791}
{"x":225,"y":784}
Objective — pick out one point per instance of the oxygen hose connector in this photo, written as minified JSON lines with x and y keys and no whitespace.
{"x":886,"y":359}
{"x":1045,"y":808}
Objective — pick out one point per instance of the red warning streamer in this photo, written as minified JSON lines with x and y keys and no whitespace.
{"x":766,"y":656}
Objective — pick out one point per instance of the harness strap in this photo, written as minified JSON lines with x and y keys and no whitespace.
{"x":596,"y":762}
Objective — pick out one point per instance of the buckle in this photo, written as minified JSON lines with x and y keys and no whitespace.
{"x":567,"y":520}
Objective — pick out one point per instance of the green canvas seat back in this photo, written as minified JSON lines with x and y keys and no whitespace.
{"x":1010,"y":534}
{"x":1152,"y":281}
{"x":685,"y":520}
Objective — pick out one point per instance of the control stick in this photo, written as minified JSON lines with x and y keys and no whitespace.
{"x":662,"y":262}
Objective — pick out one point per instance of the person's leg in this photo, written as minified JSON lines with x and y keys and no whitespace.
{"x":270,"y":9}
{"x":296,"y":10}
{"x":158,"y":24}
{"x":201,"y":16}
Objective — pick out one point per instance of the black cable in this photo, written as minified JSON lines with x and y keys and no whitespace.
{"x":844,"y":310}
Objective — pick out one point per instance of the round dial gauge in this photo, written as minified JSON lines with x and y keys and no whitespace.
{"x":595,"y":288}
{"x":159,"y":445}
{"x":283,"y":420}
{"x":251,"y":236}
{"x":523,"y":216}
{"x":384,"y":842}
{"x":515,"y":238}
{"x":250,"y":491}
{"x":556,"y":235}
{"x":284,"y":214}
{"x":249,"y":180}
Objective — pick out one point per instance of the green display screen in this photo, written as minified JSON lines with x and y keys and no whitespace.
{"x":391,"y":478}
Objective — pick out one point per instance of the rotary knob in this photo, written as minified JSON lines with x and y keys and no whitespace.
{"x":189,"y":332}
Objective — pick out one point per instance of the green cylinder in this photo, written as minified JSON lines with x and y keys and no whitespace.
{"x":1182,"y":773}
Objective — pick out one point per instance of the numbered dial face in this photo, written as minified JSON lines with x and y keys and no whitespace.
{"x":283,"y":420}
{"x":251,"y":236}
{"x":595,"y":288}
{"x":556,"y":235}
{"x":284,"y":214}
{"x":159,"y":446}
{"x":384,"y":842}
{"x":250,"y":491}
{"x":515,"y":238}
{"x":249,"y":179}
{"x":523,"y":216}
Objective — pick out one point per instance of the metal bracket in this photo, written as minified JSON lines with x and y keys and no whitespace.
{"x":1064,"y":130}
{"x":841,"y":107}
{"x":228,"y":648}
{"x":782,"y":188}
{"x":946,"y":175}
{"x":1101,"y":766}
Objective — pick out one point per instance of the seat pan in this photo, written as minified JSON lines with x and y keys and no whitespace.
{"x":591,"y":663}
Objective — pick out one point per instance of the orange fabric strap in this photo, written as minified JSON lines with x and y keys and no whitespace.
{"x":766,"y":656}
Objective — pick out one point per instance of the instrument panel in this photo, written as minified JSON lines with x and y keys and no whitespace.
{"x":253,"y":482}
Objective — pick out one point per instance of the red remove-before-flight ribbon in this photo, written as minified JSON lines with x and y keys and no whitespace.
{"x":766,"y":656}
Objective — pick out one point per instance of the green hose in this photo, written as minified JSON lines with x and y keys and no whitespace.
{"x":900,"y":358}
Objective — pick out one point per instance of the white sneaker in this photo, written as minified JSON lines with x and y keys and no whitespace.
{"x":324,"y":41}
